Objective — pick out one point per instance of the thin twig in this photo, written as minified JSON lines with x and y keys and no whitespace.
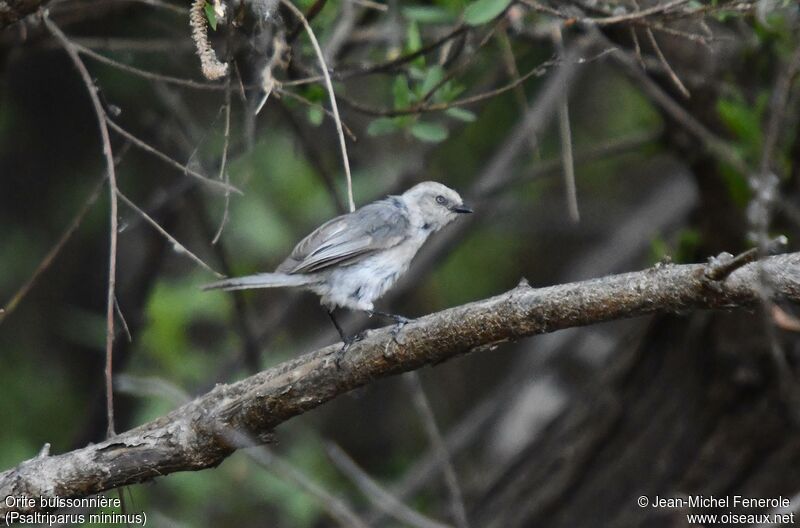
{"x":53,"y":253}
{"x":314,"y":156}
{"x":223,"y":173}
{"x":783,"y":320}
{"x":188,"y":83}
{"x":311,"y":14}
{"x":519,"y":92}
{"x":308,"y":102}
{"x":538,"y":71}
{"x":778,"y":109}
{"x":151,"y":386}
{"x":453,"y":72}
{"x":565,"y":134}
{"x":376,"y":493}
{"x":177,"y":246}
{"x":334,"y":506}
{"x":125,"y":327}
{"x":438,"y":107}
{"x":100,"y":114}
{"x":637,"y":48}
{"x":764,"y":185}
{"x":629,"y":17}
{"x":180,"y":166}
{"x":667,"y":67}
{"x":331,"y":95}
{"x":369,"y":4}
{"x":425,"y":412}
{"x":715,"y":146}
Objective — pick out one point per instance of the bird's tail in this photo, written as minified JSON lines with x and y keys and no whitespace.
{"x":261,"y":280}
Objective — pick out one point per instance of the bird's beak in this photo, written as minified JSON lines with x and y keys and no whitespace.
{"x":461,"y":208}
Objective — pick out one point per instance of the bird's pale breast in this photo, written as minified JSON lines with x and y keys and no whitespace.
{"x":358,"y":286}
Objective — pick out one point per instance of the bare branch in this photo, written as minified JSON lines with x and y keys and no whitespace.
{"x":177,"y":246}
{"x":196,"y":435}
{"x":331,"y":95}
{"x":223,"y":173}
{"x":665,"y":63}
{"x":336,"y":507}
{"x":376,"y":493}
{"x":157,"y":153}
{"x":53,"y":253}
{"x":565,"y":133}
{"x":425,"y":412}
{"x":152,"y":76}
{"x":100,"y":113}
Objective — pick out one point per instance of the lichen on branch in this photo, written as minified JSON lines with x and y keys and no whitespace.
{"x":211,"y":66}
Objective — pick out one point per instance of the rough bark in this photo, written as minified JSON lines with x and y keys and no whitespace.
{"x":203,"y":432}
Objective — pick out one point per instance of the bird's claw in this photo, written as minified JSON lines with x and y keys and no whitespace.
{"x":401,"y":321}
{"x":398,"y":327}
{"x":346,"y":344}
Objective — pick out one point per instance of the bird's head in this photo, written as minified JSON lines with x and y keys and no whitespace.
{"x":435,"y":204}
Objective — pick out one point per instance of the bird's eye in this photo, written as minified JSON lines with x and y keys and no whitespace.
{"x":441,"y":200}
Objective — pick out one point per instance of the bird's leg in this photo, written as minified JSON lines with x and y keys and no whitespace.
{"x":399,"y":321}
{"x":344,"y":337}
{"x":346,"y":340}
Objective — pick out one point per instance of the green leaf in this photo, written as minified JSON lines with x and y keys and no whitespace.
{"x":401,"y":92}
{"x":462,"y":114}
{"x":432,"y":77}
{"x":482,"y":11}
{"x":315,"y":115}
{"x":382,"y":126}
{"x":413,"y":37}
{"x":429,"y":132}
{"x":210,"y":15}
{"x":427,"y":14}
{"x":414,"y":43}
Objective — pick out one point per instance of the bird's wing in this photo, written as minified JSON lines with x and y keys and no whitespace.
{"x":348,"y":238}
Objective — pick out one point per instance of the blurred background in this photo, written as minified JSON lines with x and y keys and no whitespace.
{"x":680,"y":126}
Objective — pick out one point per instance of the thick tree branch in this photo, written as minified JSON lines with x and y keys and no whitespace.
{"x":205,"y":431}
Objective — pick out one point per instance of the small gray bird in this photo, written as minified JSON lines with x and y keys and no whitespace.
{"x":351,"y":260}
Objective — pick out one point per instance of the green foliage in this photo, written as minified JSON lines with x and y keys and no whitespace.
{"x":406,"y":95}
{"x":414,"y":42}
{"x":482,"y":11}
{"x":401,"y":93}
{"x":428,"y":14}
{"x":429,"y":132}
{"x":463,"y":276}
{"x":682,"y":251}
{"x":462,"y":114}
{"x":744,"y":121}
{"x":382,"y":126}
{"x":433,"y":76}
{"x":267,"y":219}
{"x":315,"y":115}
{"x":211,"y":15}
{"x":173,"y":308}
{"x":660,"y":250}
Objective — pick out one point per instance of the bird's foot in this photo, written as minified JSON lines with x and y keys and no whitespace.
{"x":400,"y":322}
{"x":347,"y":342}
